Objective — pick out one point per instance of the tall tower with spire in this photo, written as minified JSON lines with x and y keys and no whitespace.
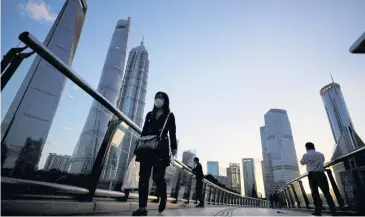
{"x":132,"y":103}
{"x":109,"y":86}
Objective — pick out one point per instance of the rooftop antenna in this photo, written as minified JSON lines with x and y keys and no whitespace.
{"x":331,"y":76}
{"x":333,"y":82}
{"x":142,"y":40}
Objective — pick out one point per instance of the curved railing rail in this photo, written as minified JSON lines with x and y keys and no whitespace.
{"x":221,"y":195}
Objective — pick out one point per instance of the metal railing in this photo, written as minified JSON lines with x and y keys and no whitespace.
{"x":213,"y":193}
{"x":353,"y":164}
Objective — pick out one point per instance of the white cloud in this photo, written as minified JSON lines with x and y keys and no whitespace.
{"x":67,"y":128}
{"x":38,"y":10}
{"x":51,"y":143}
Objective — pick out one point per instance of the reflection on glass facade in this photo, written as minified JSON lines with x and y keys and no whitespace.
{"x":280,"y":161}
{"x":97,"y":121}
{"x":27,"y":123}
{"x":132,"y":101}
{"x":234,"y":177}
{"x":213,"y":168}
{"x":249,"y":180}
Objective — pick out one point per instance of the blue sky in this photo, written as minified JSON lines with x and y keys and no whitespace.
{"x":224,"y":64}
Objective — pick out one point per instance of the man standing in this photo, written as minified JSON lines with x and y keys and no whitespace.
{"x":198,"y":171}
{"x":317,"y":178}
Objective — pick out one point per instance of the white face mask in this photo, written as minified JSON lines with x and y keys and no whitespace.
{"x":159,"y":103}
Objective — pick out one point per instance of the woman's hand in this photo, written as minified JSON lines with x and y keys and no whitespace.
{"x":174,"y":152}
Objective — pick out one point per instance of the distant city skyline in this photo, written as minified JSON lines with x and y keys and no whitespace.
{"x":262,"y":65}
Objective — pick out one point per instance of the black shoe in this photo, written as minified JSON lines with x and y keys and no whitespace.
{"x":200,"y":205}
{"x":140,"y":212}
{"x":162,"y":205}
{"x":316,"y":214}
{"x":195,"y":202}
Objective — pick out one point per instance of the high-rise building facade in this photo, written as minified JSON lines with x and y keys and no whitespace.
{"x":98,"y":118}
{"x":223,"y":180}
{"x":340,"y":121}
{"x":234,"y":177}
{"x":132,"y":102}
{"x":249,"y":179}
{"x":57,"y":162}
{"x":345,"y":137}
{"x":188,"y":158}
{"x":213,"y":168}
{"x":37,"y":99}
{"x":279,"y":154}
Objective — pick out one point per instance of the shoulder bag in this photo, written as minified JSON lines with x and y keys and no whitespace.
{"x":153,"y":143}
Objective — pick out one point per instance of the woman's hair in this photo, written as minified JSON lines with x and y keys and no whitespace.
{"x":166,"y":105}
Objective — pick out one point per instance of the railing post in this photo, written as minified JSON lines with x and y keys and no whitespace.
{"x":339,"y":198}
{"x":203,"y":193}
{"x":210,"y":195}
{"x":295,"y":195}
{"x":287,"y":198}
{"x":215,"y":196}
{"x":291,"y":197}
{"x":101,"y":158}
{"x":304,"y":194}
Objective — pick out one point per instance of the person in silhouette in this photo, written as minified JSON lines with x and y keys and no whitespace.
{"x":199,"y":176}
{"x":314,"y":161}
{"x":159,"y":123}
{"x":271,"y":199}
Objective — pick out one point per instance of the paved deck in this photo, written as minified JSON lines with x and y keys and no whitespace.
{"x":216,"y":211}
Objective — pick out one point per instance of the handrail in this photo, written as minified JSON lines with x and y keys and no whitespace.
{"x":52,"y":59}
{"x":326,"y":165}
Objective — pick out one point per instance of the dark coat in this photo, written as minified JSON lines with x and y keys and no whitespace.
{"x":198,"y":171}
{"x":153,"y":126}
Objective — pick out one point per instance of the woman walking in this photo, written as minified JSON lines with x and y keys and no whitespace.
{"x":153,"y":151}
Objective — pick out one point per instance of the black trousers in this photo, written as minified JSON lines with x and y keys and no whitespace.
{"x":199,"y":191}
{"x":144,"y":179}
{"x":319,"y":179}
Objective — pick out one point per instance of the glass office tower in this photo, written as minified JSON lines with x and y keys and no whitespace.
{"x":109,"y":86}
{"x":249,"y":179}
{"x":37,"y":99}
{"x":279,"y":155}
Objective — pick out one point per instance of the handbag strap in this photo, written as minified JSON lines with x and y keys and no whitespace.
{"x":164,"y":125}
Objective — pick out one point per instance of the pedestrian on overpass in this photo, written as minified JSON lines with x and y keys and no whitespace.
{"x":314,"y":161}
{"x":153,"y":151}
{"x":199,"y":176}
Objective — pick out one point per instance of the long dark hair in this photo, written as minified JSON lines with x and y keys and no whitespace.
{"x":166,"y":105}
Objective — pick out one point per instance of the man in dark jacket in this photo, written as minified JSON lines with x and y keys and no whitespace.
{"x":198,"y":171}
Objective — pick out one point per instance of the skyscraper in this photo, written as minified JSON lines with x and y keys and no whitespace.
{"x":249,"y":180}
{"x":280,"y":158}
{"x":188,"y":158}
{"x":213,"y":168}
{"x":37,"y":99}
{"x":132,"y":102}
{"x":344,"y":134}
{"x":58,"y":162}
{"x":340,"y":121}
{"x":234,"y":177}
{"x":109,"y":86}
